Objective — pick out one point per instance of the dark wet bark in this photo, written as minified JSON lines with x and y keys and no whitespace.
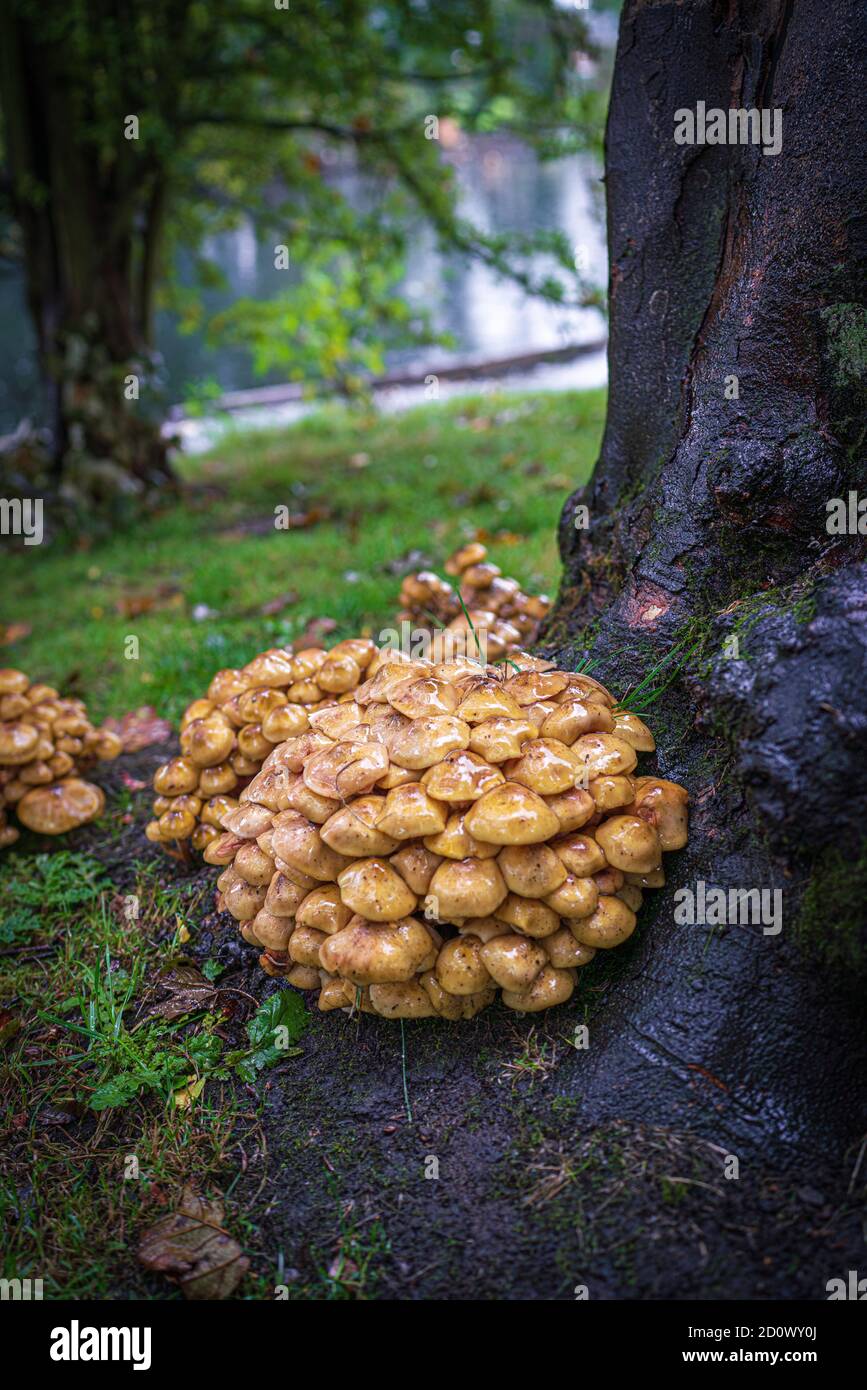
{"x":707,"y":521}
{"x":89,"y":210}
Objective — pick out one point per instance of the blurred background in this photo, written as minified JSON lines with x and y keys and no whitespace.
{"x":342,"y":258}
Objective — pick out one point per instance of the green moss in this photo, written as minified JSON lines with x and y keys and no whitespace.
{"x":830,"y":923}
{"x":846,"y":328}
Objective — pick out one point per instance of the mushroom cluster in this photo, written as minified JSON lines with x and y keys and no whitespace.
{"x":227,"y":735}
{"x":444,"y":831}
{"x":497,"y":606}
{"x":46,"y":742}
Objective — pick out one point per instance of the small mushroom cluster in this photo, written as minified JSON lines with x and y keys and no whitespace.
{"x":497,"y":606}
{"x":46,"y":742}
{"x":444,"y":831}
{"x":226,"y":736}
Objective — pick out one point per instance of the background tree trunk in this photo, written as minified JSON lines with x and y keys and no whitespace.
{"x":707,"y":521}
{"x":89,"y":216}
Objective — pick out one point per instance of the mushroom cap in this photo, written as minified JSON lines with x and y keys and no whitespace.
{"x":461,"y":776}
{"x":455,"y":1006}
{"x":610,"y":792}
{"x":513,"y":961}
{"x":551,"y":987}
{"x":575,"y":897}
{"x":488,"y":699}
{"x":60,"y":807}
{"x":324,"y":909}
{"x":374,"y":890}
{"x":609,"y":925}
{"x":298,"y":842}
{"x":455,"y":841}
{"x":427,"y":740}
{"x":401,"y":1000}
{"x":604,"y":754}
{"x":572,"y":808}
{"x":460,"y":968}
{"x":565,"y":952}
{"x":352,"y":829}
{"x":499,"y":739}
{"x":12,"y":682}
{"x":253,"y":865}
{"x":345,"y":769}
{"x":416,"y":864}
{"x":580,"y":853}
{"x":533,"y":871}
{"x":664,"y":805}
{"x":465,"y":888}
{"x":208,"y":741}
{"x":410,"y":813}
{"x":369,"y":953}
{"x":545,"y":766}
{"x":421,"y":696}
{"x":576,"y":716}
{"x":18,"y":743}
{"x":634,"y":730}
{"x":529,"y":915}
{"x":338,"y":673}
{"x":304,"y":943}
{"x":511,"y":814}
{"x":630,"y":843}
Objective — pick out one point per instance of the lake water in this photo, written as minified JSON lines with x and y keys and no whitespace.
{"x":502,"y":186}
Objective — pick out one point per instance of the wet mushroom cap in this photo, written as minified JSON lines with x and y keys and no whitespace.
{"x":435,"y":835}
{"x":61,"y":807}
{"x":511,"y":814}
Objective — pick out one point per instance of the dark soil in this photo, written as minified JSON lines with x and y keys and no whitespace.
{"x":537,"y":1193}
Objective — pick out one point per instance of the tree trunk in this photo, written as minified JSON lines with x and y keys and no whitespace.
{"x":85,"y":213}
{"x":708,"y":533}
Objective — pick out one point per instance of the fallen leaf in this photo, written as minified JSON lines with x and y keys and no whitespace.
{"x":132,"y":784}
{"x":140,"y":728}
{"x":276,"y":605}
{"x":164,"y":596}
{"x":192,"y":1248}
{"x":314,"y":633}
{"x":13,"y":632}
{"x":184,"y":1098}
{"x":186,"y":991}
{"x":9,"y":1026}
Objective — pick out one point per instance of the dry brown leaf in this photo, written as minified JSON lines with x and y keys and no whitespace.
{"x":314,"y":633}
{"x":13,"y":632}
{"x":187,"y":990}
{"x":164,"y":596}
{"x":192,"y":1248}
{"x":140,"y":728}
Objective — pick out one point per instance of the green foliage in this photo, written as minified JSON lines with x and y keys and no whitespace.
{"x":846,"y":327}
{"x":505,"y":463}
{"x":830,"y":923}
{"x":252,"y":114}
{"x":160,"y":1057}
{"x":57,"y":883}
{"x":277,"y":1023}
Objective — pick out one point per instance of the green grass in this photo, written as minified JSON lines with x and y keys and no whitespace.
{"x":88,"y":1076}
{"x":435,"y":475}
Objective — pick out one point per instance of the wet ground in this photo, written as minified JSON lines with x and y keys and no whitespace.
{"x":460,"y":1161}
